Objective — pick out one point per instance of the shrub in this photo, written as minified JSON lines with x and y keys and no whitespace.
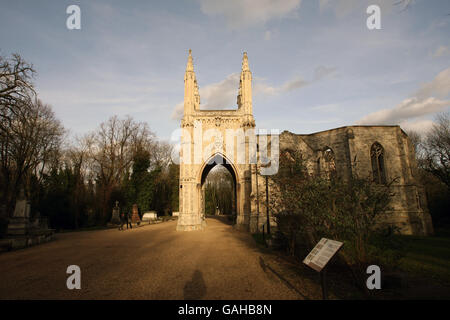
{"x":311,"y":207}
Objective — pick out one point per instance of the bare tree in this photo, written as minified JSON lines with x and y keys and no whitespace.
{"x":31,"y":137}
{"x":15,"y":86}
{"x":160,"y":153}
{"x":436,"y":145}
{"x":112,"y":148}
{"x":77,"y":157}
{"x":415,"y":138}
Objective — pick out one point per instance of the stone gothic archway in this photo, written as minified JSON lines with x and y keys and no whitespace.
{"x":212,"y":134}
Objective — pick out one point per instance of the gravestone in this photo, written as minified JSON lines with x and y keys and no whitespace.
{"x":38,"y":223}
{"x":19,"y":223}
{"x":175,"y":214}
{"x":135,"y":214}
{"x":35,"y":223}
{"x":115,"y":218}
{"x":149,"y":216}
{"x":43,"y":223}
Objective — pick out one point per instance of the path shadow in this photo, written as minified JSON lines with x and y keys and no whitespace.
{"x":265,"y":266}
{"x":196,"y":288}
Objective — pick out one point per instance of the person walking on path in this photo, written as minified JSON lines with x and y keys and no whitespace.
{"x":129,"y":220}
{"x":122,"y":221}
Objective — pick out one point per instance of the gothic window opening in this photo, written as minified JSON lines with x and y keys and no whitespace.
{"x":378,"y":168}
{"x":329,"y":162}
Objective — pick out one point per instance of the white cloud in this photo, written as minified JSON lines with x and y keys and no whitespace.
{"x":293,"y":84}
{"x":407,"y":109}
{"x":420,"y":126}
{"x":261,"y":87}
{"x":240,"y":13}
{"x":440,"y":86}
{"x":267,"y":35}
{"x":441,"y":52}
{"x":220,"y":95}
{"x":177,"y":113}
{"x":223,"y":94}
{"x":423,"y":103}
{"x":343,"y":8}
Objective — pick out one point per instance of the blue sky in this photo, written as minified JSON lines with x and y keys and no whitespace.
{"x":315,"y":64}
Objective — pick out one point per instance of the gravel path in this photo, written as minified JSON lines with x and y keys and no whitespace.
{"x":150,"y":262}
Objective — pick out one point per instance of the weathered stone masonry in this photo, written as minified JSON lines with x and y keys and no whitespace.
{"x":351,"y":147}
{"x":384,"y":152}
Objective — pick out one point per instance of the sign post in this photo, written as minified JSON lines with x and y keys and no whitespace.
{"x":319,"y":257}
{"x":323,"y":283}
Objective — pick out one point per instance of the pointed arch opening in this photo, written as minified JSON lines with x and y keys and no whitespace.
{"x":378,"y":165}
{"x":329,"y":162}
{"x":218,"y":187}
